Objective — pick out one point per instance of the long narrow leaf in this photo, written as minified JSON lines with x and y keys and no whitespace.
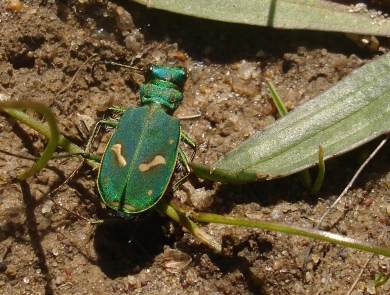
{"x":285,"y":14}
{"x":346,"y":116}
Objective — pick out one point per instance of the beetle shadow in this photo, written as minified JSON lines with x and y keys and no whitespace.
{"x":238,"y":256}
{"x":127,"y":246}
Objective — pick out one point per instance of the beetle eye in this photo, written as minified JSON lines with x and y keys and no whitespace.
{"x":149,"y":70}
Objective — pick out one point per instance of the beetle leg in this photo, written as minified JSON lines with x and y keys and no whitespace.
{"x":96,"y":129}
{"x":116,"y":110}
{"x":187,"y":140}
{"x":182,"y":158}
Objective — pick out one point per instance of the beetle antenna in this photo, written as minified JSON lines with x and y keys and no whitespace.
{"x":107,"y":62}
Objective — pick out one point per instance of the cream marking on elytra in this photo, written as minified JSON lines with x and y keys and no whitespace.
{"x":171,"y":141}
{"x":114,"y":204}
{"x":150,"y":192}
{"x":129,"y":207}
{"x":158,"y":160}
{"x":117,"y":149}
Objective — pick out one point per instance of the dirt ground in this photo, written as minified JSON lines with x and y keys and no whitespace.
{"x":46,"y":250}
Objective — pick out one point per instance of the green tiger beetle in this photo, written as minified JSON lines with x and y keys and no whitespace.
{"x":142,"y":153}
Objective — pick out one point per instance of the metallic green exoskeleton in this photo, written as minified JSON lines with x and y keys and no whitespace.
{"x":141,"y":155}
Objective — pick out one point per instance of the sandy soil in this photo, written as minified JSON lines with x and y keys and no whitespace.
{"x":46,"y":250}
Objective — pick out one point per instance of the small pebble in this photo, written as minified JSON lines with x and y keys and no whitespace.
{"x":15,"y":5}
{"x":388,"y":210}
{"x":308,"y":277}
{"x":124,"y":21}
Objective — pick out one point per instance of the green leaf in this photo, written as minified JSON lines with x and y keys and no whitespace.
{"x":282,"y":14}
{"x":346,"y":116}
